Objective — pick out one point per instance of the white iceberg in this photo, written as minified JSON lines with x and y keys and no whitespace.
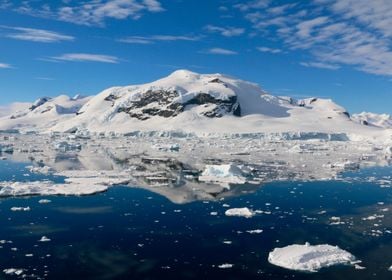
{"x":225,"y":173}
{"x":309,"y":258}
{"x":240,"y":212}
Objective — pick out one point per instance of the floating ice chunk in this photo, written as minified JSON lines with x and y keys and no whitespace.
{"x":240,"y":212}
{"x":255,"y":231}
{"x":309,"y":258}
{"x":75,"y":186}
{"x":225,"y":173}
{"x":43,"y":170}
{"x":225,"y":265}
{"x":44,"y":201}
{"x":22,"y":209}
{"x":65,"y":146}
{"x":13,"y":271}
{"x":167,"y":147}
{"x":44,"y":239}
{"x":346,"y":165}
{"x":390,"y":268}
{"x":388,"y":151}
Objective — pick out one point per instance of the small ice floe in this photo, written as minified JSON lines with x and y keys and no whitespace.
{"x":167,"y":147}
{"x":255,"y":231}
{"x":346,"y":165}
{"x":388,"y":151}
{"x":13,"y":271}
{"x":310,"y":258}
{"x":214,"y":213}
{"x":373,"y":217}
{"x":42,"y":170}
{"x":225,"y":173}
{"x":73,"y":186}
{"x":225,"y":265}
{"x":390,"y":268}
{"x":29,"y":255}
{"x":3,"y":158}
{"x":334,"y":221}
{"x":240,"y":212}
{"x":20,"y":209}
{"x":44,"y":239}
{"x":65,"y":146}
{"x":228,"y":242}
{"x":44,"y":201}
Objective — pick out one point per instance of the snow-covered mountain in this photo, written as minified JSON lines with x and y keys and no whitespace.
{"x":379,"y":120}
{"x":43,"y":113}
{"x":187,"y":102}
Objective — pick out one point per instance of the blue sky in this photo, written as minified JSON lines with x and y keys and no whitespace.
{"x":340,"y":49}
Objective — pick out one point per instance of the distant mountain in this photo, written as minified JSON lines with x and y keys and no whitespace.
{"x":379,"y":120}
{"x":42,"y":114}
{"x":188,"y":102}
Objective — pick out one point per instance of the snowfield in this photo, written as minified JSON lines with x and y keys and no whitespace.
{"x":310,"y":258}
{"x":203,"y":105}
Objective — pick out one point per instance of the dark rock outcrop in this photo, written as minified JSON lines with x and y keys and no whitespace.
{"x":162,"y":103}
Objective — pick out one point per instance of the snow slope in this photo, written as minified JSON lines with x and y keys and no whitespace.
{"x":43,"y":113}
{"x":198,"y":104}
{"x":379,"y":120}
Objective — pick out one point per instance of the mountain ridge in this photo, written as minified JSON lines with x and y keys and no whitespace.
{"x":185,"y":101}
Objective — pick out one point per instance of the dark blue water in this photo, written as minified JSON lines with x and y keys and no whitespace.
{"x":129,"y":233}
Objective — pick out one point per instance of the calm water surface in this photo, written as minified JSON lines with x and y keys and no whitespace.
{"x":129,"y":233}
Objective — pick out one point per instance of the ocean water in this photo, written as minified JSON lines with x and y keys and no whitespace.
{"x":132,"y":233}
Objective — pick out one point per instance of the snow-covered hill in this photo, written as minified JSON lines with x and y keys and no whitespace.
{"x":379,"y":120}
{"x":43,"y":113}
{"x":191,"y":103}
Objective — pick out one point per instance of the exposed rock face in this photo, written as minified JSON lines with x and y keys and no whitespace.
{"x":39,"y":102}
{"x":163,"y":103}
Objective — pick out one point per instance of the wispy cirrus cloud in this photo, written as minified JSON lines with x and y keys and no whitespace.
{"x":321,"y":65}
{"x":225,"y":31}
{"x":5,"y":66}
{"x":91,"y":12}
{"x":36,"y":35}
{"x":220,"y":51}
{"x":85,"y":57}
{"x":333,"y":32}
{"x":158,"y":38}
{"x":269,"y":50}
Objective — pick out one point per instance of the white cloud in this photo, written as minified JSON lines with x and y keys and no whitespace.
{"x":225,"y":31}
{"x":86,"y":57}
{"x":92,"y":12}
{"x":36,"y":35}
{"x":253,"y":4}
{"x":221,"y":51}
{"x":321,"y":65}
{"x":5,"y":66}
{"x":334,"y":32}
{"x":269,"y":50}
{"x":156,"y":38}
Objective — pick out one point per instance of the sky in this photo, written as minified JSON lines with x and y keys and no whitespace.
{"x":339,"y":49}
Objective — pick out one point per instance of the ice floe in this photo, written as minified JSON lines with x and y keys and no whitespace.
{"x":225,"y":173}
{"x":310,"y":258}
{"x":13,"y":271}
{"x":20,"y":209}
{"x":240,"y":212}
{"x":48,"y":188}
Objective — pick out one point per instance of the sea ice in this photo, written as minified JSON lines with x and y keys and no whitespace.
{"x":309,"y":258}
{"x":225,"y":173}
{"x":240,"y":212}
{"x":13,"y":271}
{"x":23,"y":209}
